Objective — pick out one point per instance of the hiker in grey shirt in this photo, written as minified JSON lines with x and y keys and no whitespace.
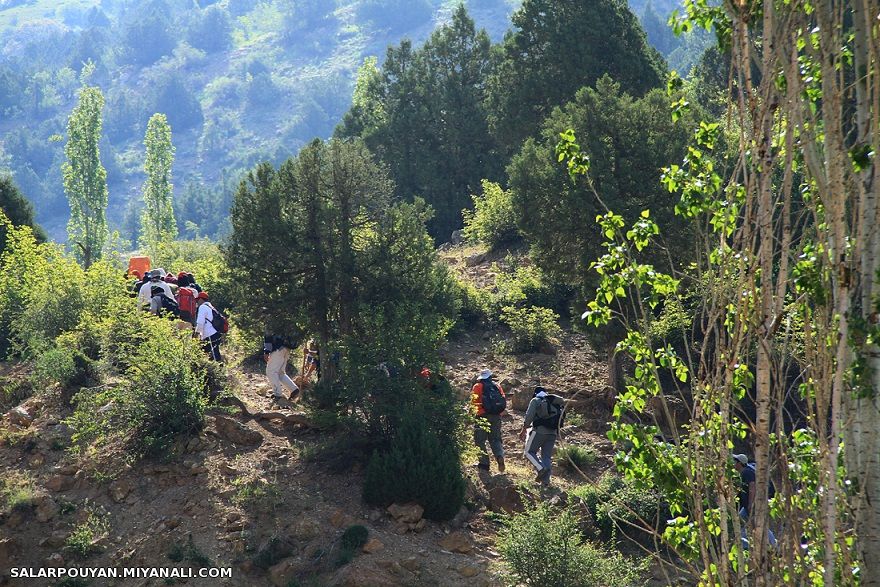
{"x":544,"y":415}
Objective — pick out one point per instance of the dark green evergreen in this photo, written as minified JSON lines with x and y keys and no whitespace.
{"x":18,"y":209}
{"x":558,"y":47}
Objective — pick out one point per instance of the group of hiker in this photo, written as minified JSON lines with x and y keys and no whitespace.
{"x":163,"y":293}
{"x":543,"y":420}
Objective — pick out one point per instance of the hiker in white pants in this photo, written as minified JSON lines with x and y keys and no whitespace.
{"x":276,"y":352}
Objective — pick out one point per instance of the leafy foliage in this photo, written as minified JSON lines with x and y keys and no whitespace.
{"x":492,"y":221}
{"x":17,"y":209}
{"x":85,"y":179}
{"x":157,"y":222}
{"x":533,"y":328}
{"x":544,"y":546}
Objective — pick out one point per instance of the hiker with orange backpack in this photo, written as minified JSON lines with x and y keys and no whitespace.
{"x":488,"y":402}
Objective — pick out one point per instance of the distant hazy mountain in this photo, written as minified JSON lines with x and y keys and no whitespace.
{"x":240,"y":80}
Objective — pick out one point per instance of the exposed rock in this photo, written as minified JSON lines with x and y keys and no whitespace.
{"x":55,"y":560}
{"x":504,"y":496}
{"x":460,"y":518}
{"x":236,"y":432}
{"x":54,"y":540}
{"x":282,"y":573}
{"x":411,"y":564}
{"x":458,"y":541}
{"x":469,"y":571}
{"x":60,"y":483}
{"x":519,"y":399}
{"x":359,"y":576}
{"x":341,"y":519}
{"x":457,"y":237}
{"x":305,"y":528}
{"x":373,"y":545}
{"x":46,"y":508}
{"x":8,"y":548}
{"x":20,"y":417}
{"x":408,"y":513}
{"x":475,"y":259}
{"x":119,"y":490}
{"x":226,"y":469}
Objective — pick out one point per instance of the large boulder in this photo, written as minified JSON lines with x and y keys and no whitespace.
{"x":235,"y":432}
{"x":408,"y":513}
{"x":458,"y":541}
{"x":20,"y":417}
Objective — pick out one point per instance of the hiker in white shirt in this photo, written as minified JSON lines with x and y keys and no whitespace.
{"x":205,"y":329}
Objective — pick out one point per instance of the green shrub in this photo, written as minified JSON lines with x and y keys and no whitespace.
{"x":531,"y":328}
{"x":352,"y":539}
{"x":576,"y":457}
{"x":84,"y":540}
{"x":620,"y":506}
{"x":161,"y":390}
{"x":65,"y":365}
{"x":420,"y":465}
{"x":544,"y":546}
{"x":273,"y":552}
{"x":492,"y":221}
{"x":473,"y":303}
{"x":17,"y":491}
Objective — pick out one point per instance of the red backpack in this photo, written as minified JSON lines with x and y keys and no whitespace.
{"x":186,"y":301}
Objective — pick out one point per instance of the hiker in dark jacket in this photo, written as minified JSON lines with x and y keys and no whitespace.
{"x":544,"y":416}
{"x":487,"y":426}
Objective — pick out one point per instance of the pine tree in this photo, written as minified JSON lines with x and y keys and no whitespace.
{"x":85,"y":179}
{"x":157,"y":222}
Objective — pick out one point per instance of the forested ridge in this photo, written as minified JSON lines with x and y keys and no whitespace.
{"x":592,"y":302}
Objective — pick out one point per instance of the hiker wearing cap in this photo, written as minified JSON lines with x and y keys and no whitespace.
{"x":746,"y":498}
{"x":311,"y":360}
{"x":160,"y":303}
{"x":276,"y":352}
{"x":488,"y":401}
{"x":544,"y":418}
{"x":209,"y":335}
{"x":146,"y":290}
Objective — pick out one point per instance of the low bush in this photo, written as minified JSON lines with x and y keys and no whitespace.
{"x":531,"y":328}
{"x":544,"y":546}
{"x":621,"y":507}
{"x":65,"y":365}
{"x":352,"y":539}
{"x":493,"y":220}
{"x":473,"y":303}
{"x":17,"y":491}
{"x":420,"y":464}
{"x":84,"y":540}
{"x":161,"y":392}
{"x":574,"y":457}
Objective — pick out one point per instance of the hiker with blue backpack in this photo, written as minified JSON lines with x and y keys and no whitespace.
{"x":488,"y":401}
{"x":544,"y":415}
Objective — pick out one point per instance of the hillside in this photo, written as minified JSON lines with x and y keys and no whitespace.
{"x":242,"y":81}
{"x":264,"y":491}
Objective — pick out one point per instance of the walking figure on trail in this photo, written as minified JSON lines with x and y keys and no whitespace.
{"x":276,"y":352}
{"x":489,"y":403}
{"x":544,"y":415}
{"x":206,"y":328}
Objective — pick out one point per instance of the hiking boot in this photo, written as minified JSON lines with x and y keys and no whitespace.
{"x":539,"y":476}
{"x":294,"y":395}
{"x":500,"y":461}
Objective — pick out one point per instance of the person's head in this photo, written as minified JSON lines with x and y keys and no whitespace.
{"x":740,"y":461}
{"x":202,"y":298}
{"x":484,"y":375}
{"x":539,"y":392}
{"x":154,"y":276}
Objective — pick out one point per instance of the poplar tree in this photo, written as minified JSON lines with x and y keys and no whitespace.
{"x":157,"y":222}
{"x":85,"y":179}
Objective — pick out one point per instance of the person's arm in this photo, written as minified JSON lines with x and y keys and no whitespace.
{"x":530,"y":417}
{"x":201,"y":316}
